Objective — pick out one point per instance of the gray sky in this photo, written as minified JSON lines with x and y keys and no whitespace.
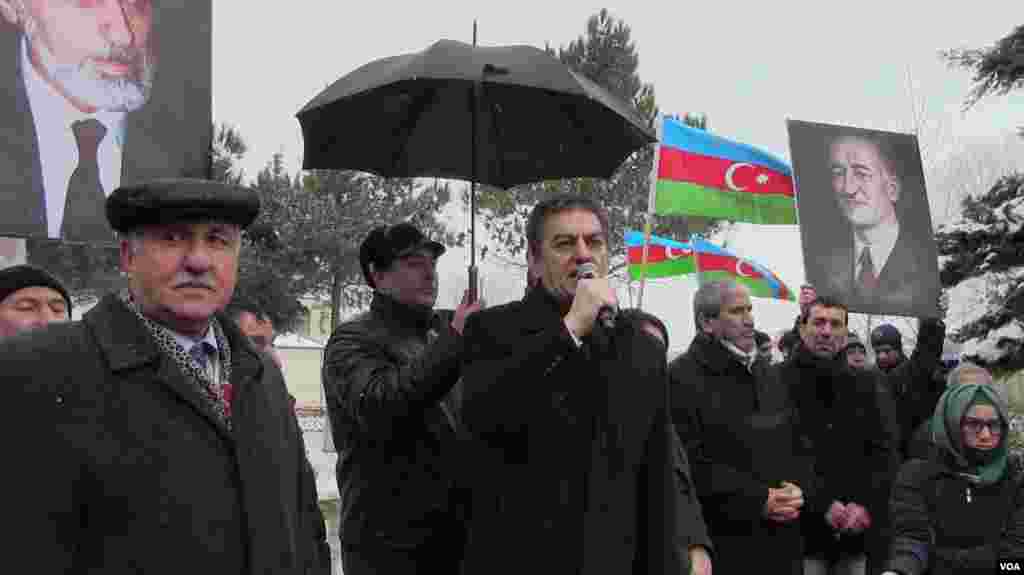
{"x":748,"y":65}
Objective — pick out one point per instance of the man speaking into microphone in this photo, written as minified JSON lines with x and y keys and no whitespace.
{"x":572,"y":460}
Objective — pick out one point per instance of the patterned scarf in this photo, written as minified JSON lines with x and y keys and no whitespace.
{"x":216,"y":393}
{"x":745,"y":358}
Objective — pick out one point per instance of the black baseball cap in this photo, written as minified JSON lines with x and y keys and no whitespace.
{"x":384,"y":245}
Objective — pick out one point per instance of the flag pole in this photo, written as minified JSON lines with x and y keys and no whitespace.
{"x":649,"y":216}
{"x":696,"y":256}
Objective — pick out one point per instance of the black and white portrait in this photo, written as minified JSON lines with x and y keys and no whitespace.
{"x":97,"y":94}
{"x":864,"y":218}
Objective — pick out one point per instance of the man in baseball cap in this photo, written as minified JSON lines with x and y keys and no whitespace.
{"x":389,"y":376}
{"x":30,"y":298}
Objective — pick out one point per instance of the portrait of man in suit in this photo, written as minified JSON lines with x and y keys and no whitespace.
{"x":864,"y":217}
{"x":90,"y":105}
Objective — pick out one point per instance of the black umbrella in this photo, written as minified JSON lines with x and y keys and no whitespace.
{"x":500,"y":116}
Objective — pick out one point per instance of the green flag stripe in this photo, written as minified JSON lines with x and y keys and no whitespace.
{"x":663,"y":269}
{"x":686,"y":198}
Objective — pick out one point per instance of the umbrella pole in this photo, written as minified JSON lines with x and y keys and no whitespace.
{"x":472,"y":272}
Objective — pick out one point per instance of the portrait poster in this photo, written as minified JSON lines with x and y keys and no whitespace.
{"x":100,"y":95}
{"x":865,"y":224}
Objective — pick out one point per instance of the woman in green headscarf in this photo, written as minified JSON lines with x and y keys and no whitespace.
{"x":960,"y":511}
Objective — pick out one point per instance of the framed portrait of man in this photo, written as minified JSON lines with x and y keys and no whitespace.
{"x":865,"y":224}
{"x":98,"y":94}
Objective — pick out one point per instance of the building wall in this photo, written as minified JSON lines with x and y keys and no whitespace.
{"x":302,"y":373}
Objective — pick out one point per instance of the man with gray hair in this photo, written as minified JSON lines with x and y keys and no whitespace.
{"x":169,"y":443}
{"x":732,"y":414}
{"x":75,"y":70}
{"x":880,"y":261}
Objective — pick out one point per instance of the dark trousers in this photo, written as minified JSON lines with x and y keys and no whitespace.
{"x":425,"y":559}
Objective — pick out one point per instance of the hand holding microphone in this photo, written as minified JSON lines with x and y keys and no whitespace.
{"x":594,"y":301}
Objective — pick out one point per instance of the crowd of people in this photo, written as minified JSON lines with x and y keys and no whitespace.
{"x":550,"y":434}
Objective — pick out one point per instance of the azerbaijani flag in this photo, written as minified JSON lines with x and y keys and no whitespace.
{"x":701,"y":174}
{"x":715,"y":263}
{"x":665,"y":257}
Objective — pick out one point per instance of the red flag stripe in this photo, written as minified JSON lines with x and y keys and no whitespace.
{"x":715,"y":262}
{"x":655,"y":253}
{"x":681,"y":166}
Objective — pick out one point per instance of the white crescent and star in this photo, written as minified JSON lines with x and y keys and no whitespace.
{"x":739,"y":269}
{"x":731,"y":171}
{"x":674,"y":253}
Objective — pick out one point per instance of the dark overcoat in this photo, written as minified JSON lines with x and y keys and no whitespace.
{"x":571,"y":457}
{"x":119,"y":466}
{"x":738,"y":428}
{"x":906,"y":282}
{"x":843,"y":433}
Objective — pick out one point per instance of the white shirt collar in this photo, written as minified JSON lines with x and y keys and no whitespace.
{"x":188,"y":342}
{"x":884,"y":242}
{"x":58,"y":152}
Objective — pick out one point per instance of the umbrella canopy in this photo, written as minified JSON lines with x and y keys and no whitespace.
{"x":500,"y":116}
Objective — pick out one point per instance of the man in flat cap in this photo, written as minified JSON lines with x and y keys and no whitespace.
{"x":30,"y":298}
{"x":387,"y":376}
{"x":160,"y":441}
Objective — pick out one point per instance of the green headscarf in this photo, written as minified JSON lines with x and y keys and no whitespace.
{"x":946,"y":435}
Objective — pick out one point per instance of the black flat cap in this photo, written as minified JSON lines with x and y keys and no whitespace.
{"x":170,"y":200}
{"x":15,"y":278}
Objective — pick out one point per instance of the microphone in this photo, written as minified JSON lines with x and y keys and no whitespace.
{"x":606,"y":315}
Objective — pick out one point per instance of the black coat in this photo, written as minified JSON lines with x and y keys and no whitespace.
{"x":124,"y":469}
{"x":842,"y":430}
{"x":908,"y":282}
{"x":573,"y":462}
{"x":395,"y":441}
{"x":738,"y":429}
{"x":936,"y":528}
{"x":912,"y":385}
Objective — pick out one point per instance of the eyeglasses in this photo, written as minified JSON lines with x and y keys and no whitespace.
{"x":972,"y":425}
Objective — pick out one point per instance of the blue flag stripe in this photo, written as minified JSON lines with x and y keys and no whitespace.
{"x":678,"y":135}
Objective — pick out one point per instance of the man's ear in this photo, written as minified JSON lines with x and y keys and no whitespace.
{"x":704,"y":324}
{"x":374,"y":274}
{"x":532,"y":263}
{"x":127,"y":252}
{"x":892,"y":188}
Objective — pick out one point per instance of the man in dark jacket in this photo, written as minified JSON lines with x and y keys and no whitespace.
{"x":159,"y":440}
{"x":843,"y":431}
{"x":387,"y":377}
{"x":912,"y":384}
{"x":733,"y":415}
{"x":574,"y":464}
